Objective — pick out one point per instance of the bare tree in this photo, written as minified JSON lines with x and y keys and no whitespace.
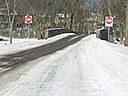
{"x":11,"y":16}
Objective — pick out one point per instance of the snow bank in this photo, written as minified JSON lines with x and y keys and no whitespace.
{"x":110,"y":64}
{"x":23,"y":44}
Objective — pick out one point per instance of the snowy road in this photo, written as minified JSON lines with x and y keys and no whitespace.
{"x":10,"y":61}
{"x":89,"y":68}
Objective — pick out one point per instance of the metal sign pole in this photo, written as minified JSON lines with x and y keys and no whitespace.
{"x":28,"y":31}
{"x":108,"y":33}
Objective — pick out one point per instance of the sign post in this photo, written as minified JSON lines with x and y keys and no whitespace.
{"x":109,"y":23}
{"x":108,"y":33}
{"x":28,"y":20}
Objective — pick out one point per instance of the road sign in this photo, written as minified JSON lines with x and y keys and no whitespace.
{"x":109,"y":21}
{"x":28,"y":19}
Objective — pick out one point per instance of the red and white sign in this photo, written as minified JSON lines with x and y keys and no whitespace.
{"x":109,"y":21}
{"x":28,"y":19}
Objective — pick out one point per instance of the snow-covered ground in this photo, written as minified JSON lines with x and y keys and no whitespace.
{"x":90,"y":67}
{"x":23,"y":44}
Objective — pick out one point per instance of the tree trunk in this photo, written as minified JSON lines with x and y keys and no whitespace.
{"x":74,"y":14}
{"x":11,"y":21}
{"x":109,"y":8}
{"x":121,"y":33}
{"x":10,"y":33}
{"x":38,"y":28}
{"x":72,"y":20}
{"x":126,"y":32}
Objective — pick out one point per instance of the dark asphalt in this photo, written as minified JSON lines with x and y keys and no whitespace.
{"x":20,"y":58}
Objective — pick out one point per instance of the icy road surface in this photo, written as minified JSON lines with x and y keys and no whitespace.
{"x":24,"y":44}
{"x":90,"y":67}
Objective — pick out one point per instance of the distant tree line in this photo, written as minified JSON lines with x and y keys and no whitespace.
{"x":46,"y":13}
{"x":118,"y":9}
{"x":77,"y":15}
